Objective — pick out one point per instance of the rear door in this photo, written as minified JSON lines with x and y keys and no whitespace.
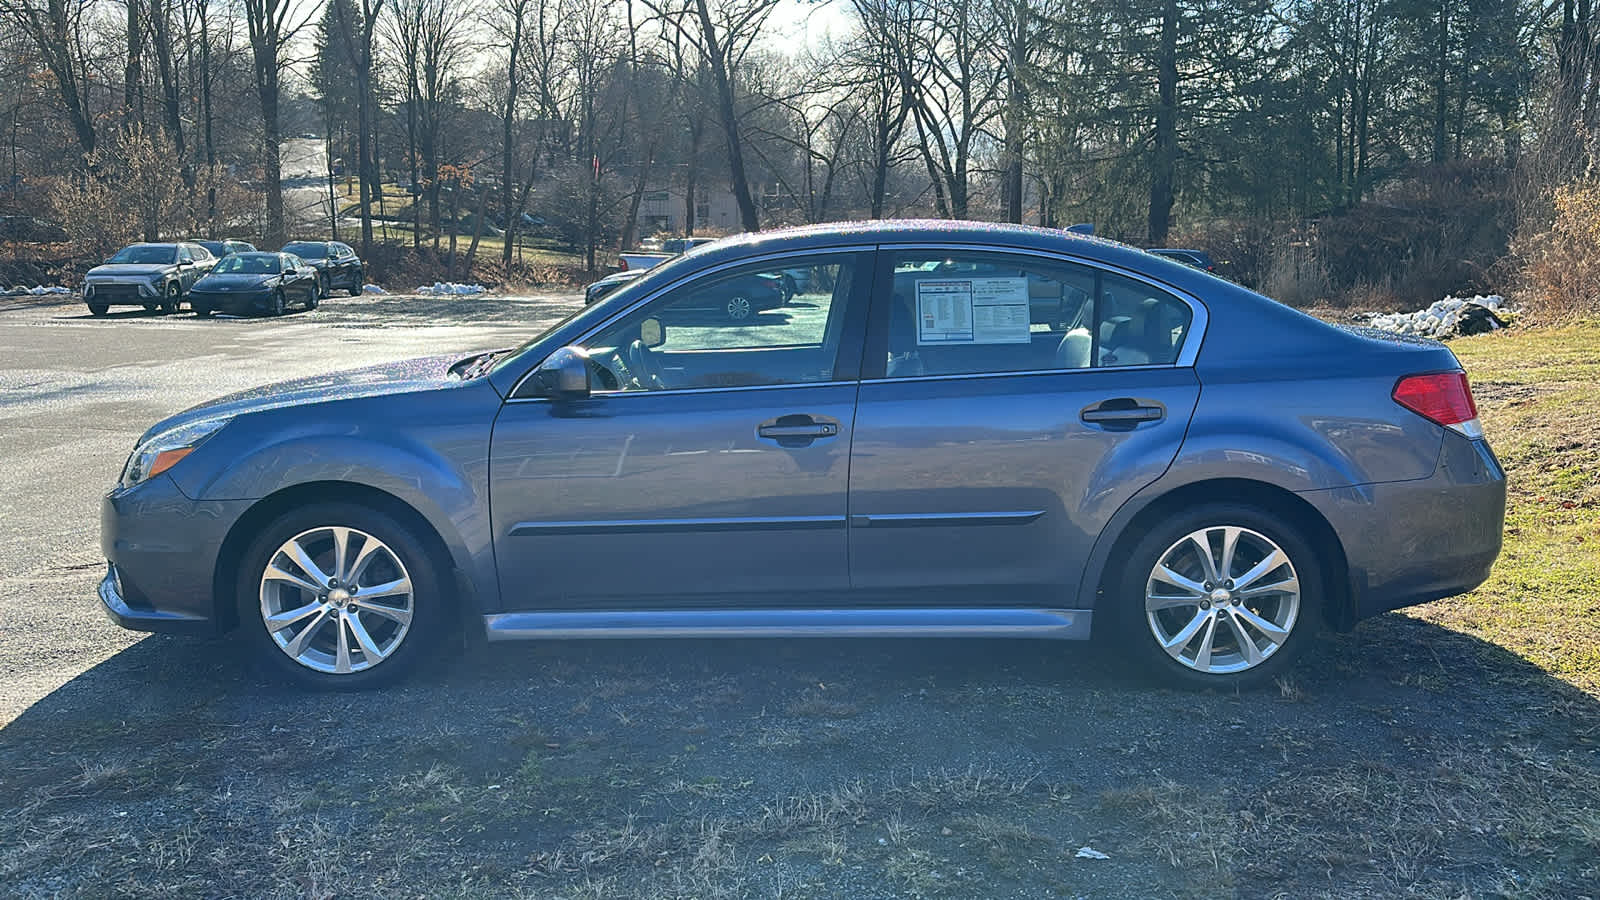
{"x":1010,"y":403}
{"x":711,"y":462}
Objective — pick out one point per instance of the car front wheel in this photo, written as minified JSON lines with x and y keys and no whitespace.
{"x":173,"y":298}
{"x":313,"y":294}
{"x":1222,"y":595}
{"x":338,"y":595}
{"x":738,"y":308}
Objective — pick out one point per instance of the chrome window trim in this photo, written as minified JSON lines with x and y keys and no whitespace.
{"x":1199,"y":315}
{"x":694,"y":276}
{"x":702,"y":390}
{"x":1190,"y":351}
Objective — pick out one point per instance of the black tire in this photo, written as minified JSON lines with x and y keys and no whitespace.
{"x":356,"y":283}
{"x":1134,"y":630}
{"x":312,"y":298}
{"x":789,"y":288}
{"x":152,"y":307}
{"x":430,"y":617}
{"x":324,"y":285}
{"x":172,"y":300}
{"x":203,"y":310}
{"x":277,"y":307}
{"x":98,"y":309}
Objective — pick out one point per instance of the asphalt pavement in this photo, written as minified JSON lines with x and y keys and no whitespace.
{"x":75,"y":392}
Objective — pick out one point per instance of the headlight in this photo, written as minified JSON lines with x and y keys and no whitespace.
{"x":163,"y":451}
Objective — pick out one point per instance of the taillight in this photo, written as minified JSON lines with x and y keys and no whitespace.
{"x":1444,"y":398}
{"x":624,"y":261}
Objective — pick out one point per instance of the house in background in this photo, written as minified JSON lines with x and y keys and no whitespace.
{"x":661,"y":209}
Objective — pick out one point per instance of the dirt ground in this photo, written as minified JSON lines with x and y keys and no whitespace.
{"x":1453,"y":752}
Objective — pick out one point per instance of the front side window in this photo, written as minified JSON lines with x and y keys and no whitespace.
{"x":185,"y":254}
{"x":967,"y":313}
{"x":765,"y":324}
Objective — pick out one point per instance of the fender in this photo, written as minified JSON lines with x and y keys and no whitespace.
{"x":440,"y":470}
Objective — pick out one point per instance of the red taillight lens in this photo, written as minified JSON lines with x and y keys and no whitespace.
{"x":624,"y":263}
{"x":1443,"y":397}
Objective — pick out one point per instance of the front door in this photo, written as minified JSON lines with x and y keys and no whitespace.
{"x":712,"y":459}
{"x":1010,"y":405}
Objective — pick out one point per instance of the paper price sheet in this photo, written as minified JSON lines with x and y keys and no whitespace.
{"x":973,"y":311}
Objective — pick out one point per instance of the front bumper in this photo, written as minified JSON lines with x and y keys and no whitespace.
{"x":113,"y":293}
{"x":1411,"y":542}
{"x":162,"y":550}
{"x":234,"y":301}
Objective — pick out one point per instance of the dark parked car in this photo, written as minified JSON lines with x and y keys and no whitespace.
{"x":1197,"y":258}
{"x":1205,"y":475}
{"x":155,"y":276}
{"x":222,"y":248}
{"x":597,"y":289}
{"x":256,"y":283}
{"x":28,"y":229}
{"x":338,"y":264}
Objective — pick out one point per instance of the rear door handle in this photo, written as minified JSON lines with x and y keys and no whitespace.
{"x":1122,"y":412}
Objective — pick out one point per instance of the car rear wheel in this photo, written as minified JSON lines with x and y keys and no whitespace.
{"x":1223,"y":595}
{"x":338,"y":595}
{"x":201,"y":308}
{"x":98,"y":309}
{"x":356,"y":283}
{"x":151,"y":307}
{"x":174,"y":296}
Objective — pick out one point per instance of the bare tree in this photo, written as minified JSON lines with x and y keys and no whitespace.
{"x":53,"y":26}
{"x":723,"y":31}
{"x":272,"y":25}
{"x":358,"y":37}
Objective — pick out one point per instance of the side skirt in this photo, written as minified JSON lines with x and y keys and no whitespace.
{"x":1058,"y":624}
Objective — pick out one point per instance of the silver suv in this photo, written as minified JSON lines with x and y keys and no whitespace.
{"x":155,"y":276}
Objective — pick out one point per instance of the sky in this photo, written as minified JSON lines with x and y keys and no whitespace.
{"x":799,"y":21}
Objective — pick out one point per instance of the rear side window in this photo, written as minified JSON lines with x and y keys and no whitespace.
{"x":971,"y":313}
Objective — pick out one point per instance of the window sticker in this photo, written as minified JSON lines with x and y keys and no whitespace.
{"x":973,"y":311}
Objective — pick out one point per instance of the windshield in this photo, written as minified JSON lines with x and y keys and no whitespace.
{"x":146,"y":254}
{"x":247,"y":264}
{"x":306,"y":250}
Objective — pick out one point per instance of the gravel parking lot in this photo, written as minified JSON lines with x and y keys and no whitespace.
{"x":1405,"y":758}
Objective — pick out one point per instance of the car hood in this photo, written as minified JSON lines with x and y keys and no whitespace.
{"x":129,"y":269}
{"x":422,"y":374}
{"x":240,"y":282}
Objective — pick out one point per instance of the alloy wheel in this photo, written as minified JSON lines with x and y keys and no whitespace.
{"x":1222,"y":599}
{"x":738,"y":308}
{"x":336,"y":600}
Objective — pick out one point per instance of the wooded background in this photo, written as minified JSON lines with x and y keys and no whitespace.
{"x":1370,"y":151}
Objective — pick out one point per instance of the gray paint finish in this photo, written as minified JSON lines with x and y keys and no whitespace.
{"x":672,"y":502}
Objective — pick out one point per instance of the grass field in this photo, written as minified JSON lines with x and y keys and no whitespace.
{"x":1449,"y":751}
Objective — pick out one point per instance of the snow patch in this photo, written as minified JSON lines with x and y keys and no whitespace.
{"x":37,"y":290}
{"x":372,"y":289}
{"x":1447,"y":318}
{"x":451,"y":289}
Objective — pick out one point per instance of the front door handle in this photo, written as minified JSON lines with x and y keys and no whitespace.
{"x":1122,"y":413}
{"x":798,"y":430}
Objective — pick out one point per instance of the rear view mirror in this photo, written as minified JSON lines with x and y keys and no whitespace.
{"x":652,"y":333}
{"x":564,"y":375}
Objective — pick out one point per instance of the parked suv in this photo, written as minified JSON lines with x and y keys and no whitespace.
{"x":155,"y":276}
{"x":222,"y":248}
{"x":337,"y":264}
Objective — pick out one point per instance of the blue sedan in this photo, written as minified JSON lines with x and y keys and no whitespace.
{"x":949,"y":430}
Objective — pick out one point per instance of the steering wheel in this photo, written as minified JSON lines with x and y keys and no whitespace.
{"x":642,"y":363}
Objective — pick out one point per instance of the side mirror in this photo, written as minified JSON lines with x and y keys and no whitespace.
{"x":564,"y":375}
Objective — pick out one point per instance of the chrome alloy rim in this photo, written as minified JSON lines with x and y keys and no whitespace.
{"x":739,"y":308}
{"x":336,"y":600}
{"x":1222,"y":599}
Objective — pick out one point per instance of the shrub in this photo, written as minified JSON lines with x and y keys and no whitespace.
{"x":1561,"y":265}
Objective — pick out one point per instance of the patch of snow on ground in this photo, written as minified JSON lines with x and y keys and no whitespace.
{"x":372,"y":289}
{"x":1443,"y":318}
{"x":450,"y":288}
{"x":38,"y":290}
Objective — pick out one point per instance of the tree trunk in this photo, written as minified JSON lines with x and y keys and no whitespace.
{"x":508,"y":136}
{"x":723,"y":79}
{"x":1012,"y":176}
{"x":132,"y":73}
{"x":1165,"y":163}
{"x":1441,"y":87}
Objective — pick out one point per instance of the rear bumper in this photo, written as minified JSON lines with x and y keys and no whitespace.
{"x":1411,"y":542}
{"x":161,"y":549}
